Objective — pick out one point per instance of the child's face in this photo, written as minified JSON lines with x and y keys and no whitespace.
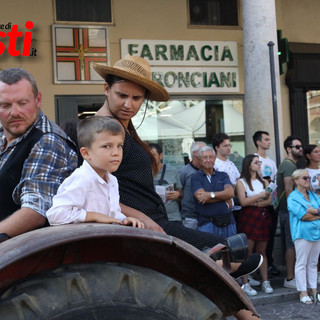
{"x":105,"y":153}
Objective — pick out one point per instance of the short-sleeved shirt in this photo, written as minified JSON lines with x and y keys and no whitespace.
{"x":218,"y":182}
{"x":268,"y":167}
{"x":171,"y":176}
{"x":188,"y":209}
{"x":286,"y":168}
{"x":314,"y":183}
{"x":229,"y":168}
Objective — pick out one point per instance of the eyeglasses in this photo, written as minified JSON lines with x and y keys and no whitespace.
{"x":257,"y":162}
{"x":298,"y":146}
{"x":227,"y":145}
{"x":305,"y":178}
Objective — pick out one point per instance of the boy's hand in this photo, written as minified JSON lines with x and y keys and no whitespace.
{"x":129,"y":221}
{"x":101,"y":218}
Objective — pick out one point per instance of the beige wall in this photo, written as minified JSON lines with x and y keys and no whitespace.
{"x":147,"y":19}
{"x":298,"y":21}
{"x":165,"y":19}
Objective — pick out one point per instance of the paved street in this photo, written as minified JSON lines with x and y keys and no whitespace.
{"x":290,"y":310}
{"x":283,"y":304}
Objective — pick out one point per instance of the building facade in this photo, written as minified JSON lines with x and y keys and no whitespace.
{"x":211,"y":55}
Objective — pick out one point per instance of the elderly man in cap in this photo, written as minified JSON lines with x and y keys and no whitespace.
{"x":127,"y":84}
{"x":35,"y":155}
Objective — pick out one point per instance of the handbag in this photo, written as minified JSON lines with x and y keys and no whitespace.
{"x":222,"y":220}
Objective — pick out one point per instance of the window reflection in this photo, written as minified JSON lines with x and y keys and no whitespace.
{"x":176,"y":124}
{"x":313,"y":106}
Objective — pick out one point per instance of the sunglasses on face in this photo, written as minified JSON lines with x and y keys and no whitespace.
{"x":298,"y":146}
{"x":305,"y":178}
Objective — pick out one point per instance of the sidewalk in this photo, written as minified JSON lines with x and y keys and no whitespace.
{"x":280,"y":293}
{"x":282,"y":298}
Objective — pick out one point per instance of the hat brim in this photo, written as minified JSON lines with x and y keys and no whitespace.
{"x":156,"y":91}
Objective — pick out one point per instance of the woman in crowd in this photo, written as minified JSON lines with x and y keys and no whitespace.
{"x":303,"y":206}
{"x":128,"y":84}
{"x":254,"y":219}
{"x":312,"y":154}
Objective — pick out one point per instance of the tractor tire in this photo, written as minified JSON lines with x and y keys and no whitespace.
{"x":105,"y":291}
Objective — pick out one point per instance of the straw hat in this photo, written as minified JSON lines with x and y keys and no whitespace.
{"x":135,"y":69}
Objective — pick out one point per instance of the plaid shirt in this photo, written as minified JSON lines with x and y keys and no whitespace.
{"x":51,"y":160}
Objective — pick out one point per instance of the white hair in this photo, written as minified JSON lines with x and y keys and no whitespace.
{"x":195,"y":147}
{"x":203,"y":149}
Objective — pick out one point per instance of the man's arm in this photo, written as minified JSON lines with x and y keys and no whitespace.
{"x":50,"y":161}
{"x":205,"y":196}
{"x":148,"y":223}
{"x":23,"y":220}
{"x":288,"y":185}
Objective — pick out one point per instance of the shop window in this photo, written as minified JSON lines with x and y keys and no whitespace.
{"x":176,"y":124}
{"x":83,"y":10}
{"x":213,"y":12}
{"x":313,"y":106}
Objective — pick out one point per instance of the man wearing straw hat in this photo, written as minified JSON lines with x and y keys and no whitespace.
{"x":127,"y":84}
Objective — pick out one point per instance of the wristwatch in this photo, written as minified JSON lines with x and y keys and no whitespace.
{"x":212,"y":195}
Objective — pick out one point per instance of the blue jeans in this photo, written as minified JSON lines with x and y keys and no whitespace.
{"x":224,"y":232}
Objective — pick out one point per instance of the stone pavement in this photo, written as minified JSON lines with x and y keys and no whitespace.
{"x":283,"y":304}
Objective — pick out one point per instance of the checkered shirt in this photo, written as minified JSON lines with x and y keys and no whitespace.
{"x":51,"y":160}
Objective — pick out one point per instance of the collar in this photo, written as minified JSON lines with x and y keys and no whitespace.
{"x":195,"y":168}
{"x":15,"y":142}
{"x":88,"y":167}
{"x":204,"y":174}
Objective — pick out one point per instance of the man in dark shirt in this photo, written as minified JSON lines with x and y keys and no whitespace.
{"x":213,"y":193}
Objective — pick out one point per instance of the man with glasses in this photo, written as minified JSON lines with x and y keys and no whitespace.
{"x":294,"y":150}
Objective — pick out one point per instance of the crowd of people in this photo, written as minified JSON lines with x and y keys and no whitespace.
{"x":120,"y":179}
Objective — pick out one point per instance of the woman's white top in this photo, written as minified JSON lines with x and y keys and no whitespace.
{"x":256,"y":185}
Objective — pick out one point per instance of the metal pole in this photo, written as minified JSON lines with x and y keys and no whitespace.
{"x":274,"y":102}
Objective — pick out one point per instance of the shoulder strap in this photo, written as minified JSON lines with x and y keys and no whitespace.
{"x":161,"y":180}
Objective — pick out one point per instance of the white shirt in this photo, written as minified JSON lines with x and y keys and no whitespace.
{"x":229,"y":168}
{"x":256,"y":185}
{"x":268,"y":167}
{"x":314,"y":183}
{"x":85,"y":191}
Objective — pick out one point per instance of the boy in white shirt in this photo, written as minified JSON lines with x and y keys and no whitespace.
{"x":90,"y":193}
